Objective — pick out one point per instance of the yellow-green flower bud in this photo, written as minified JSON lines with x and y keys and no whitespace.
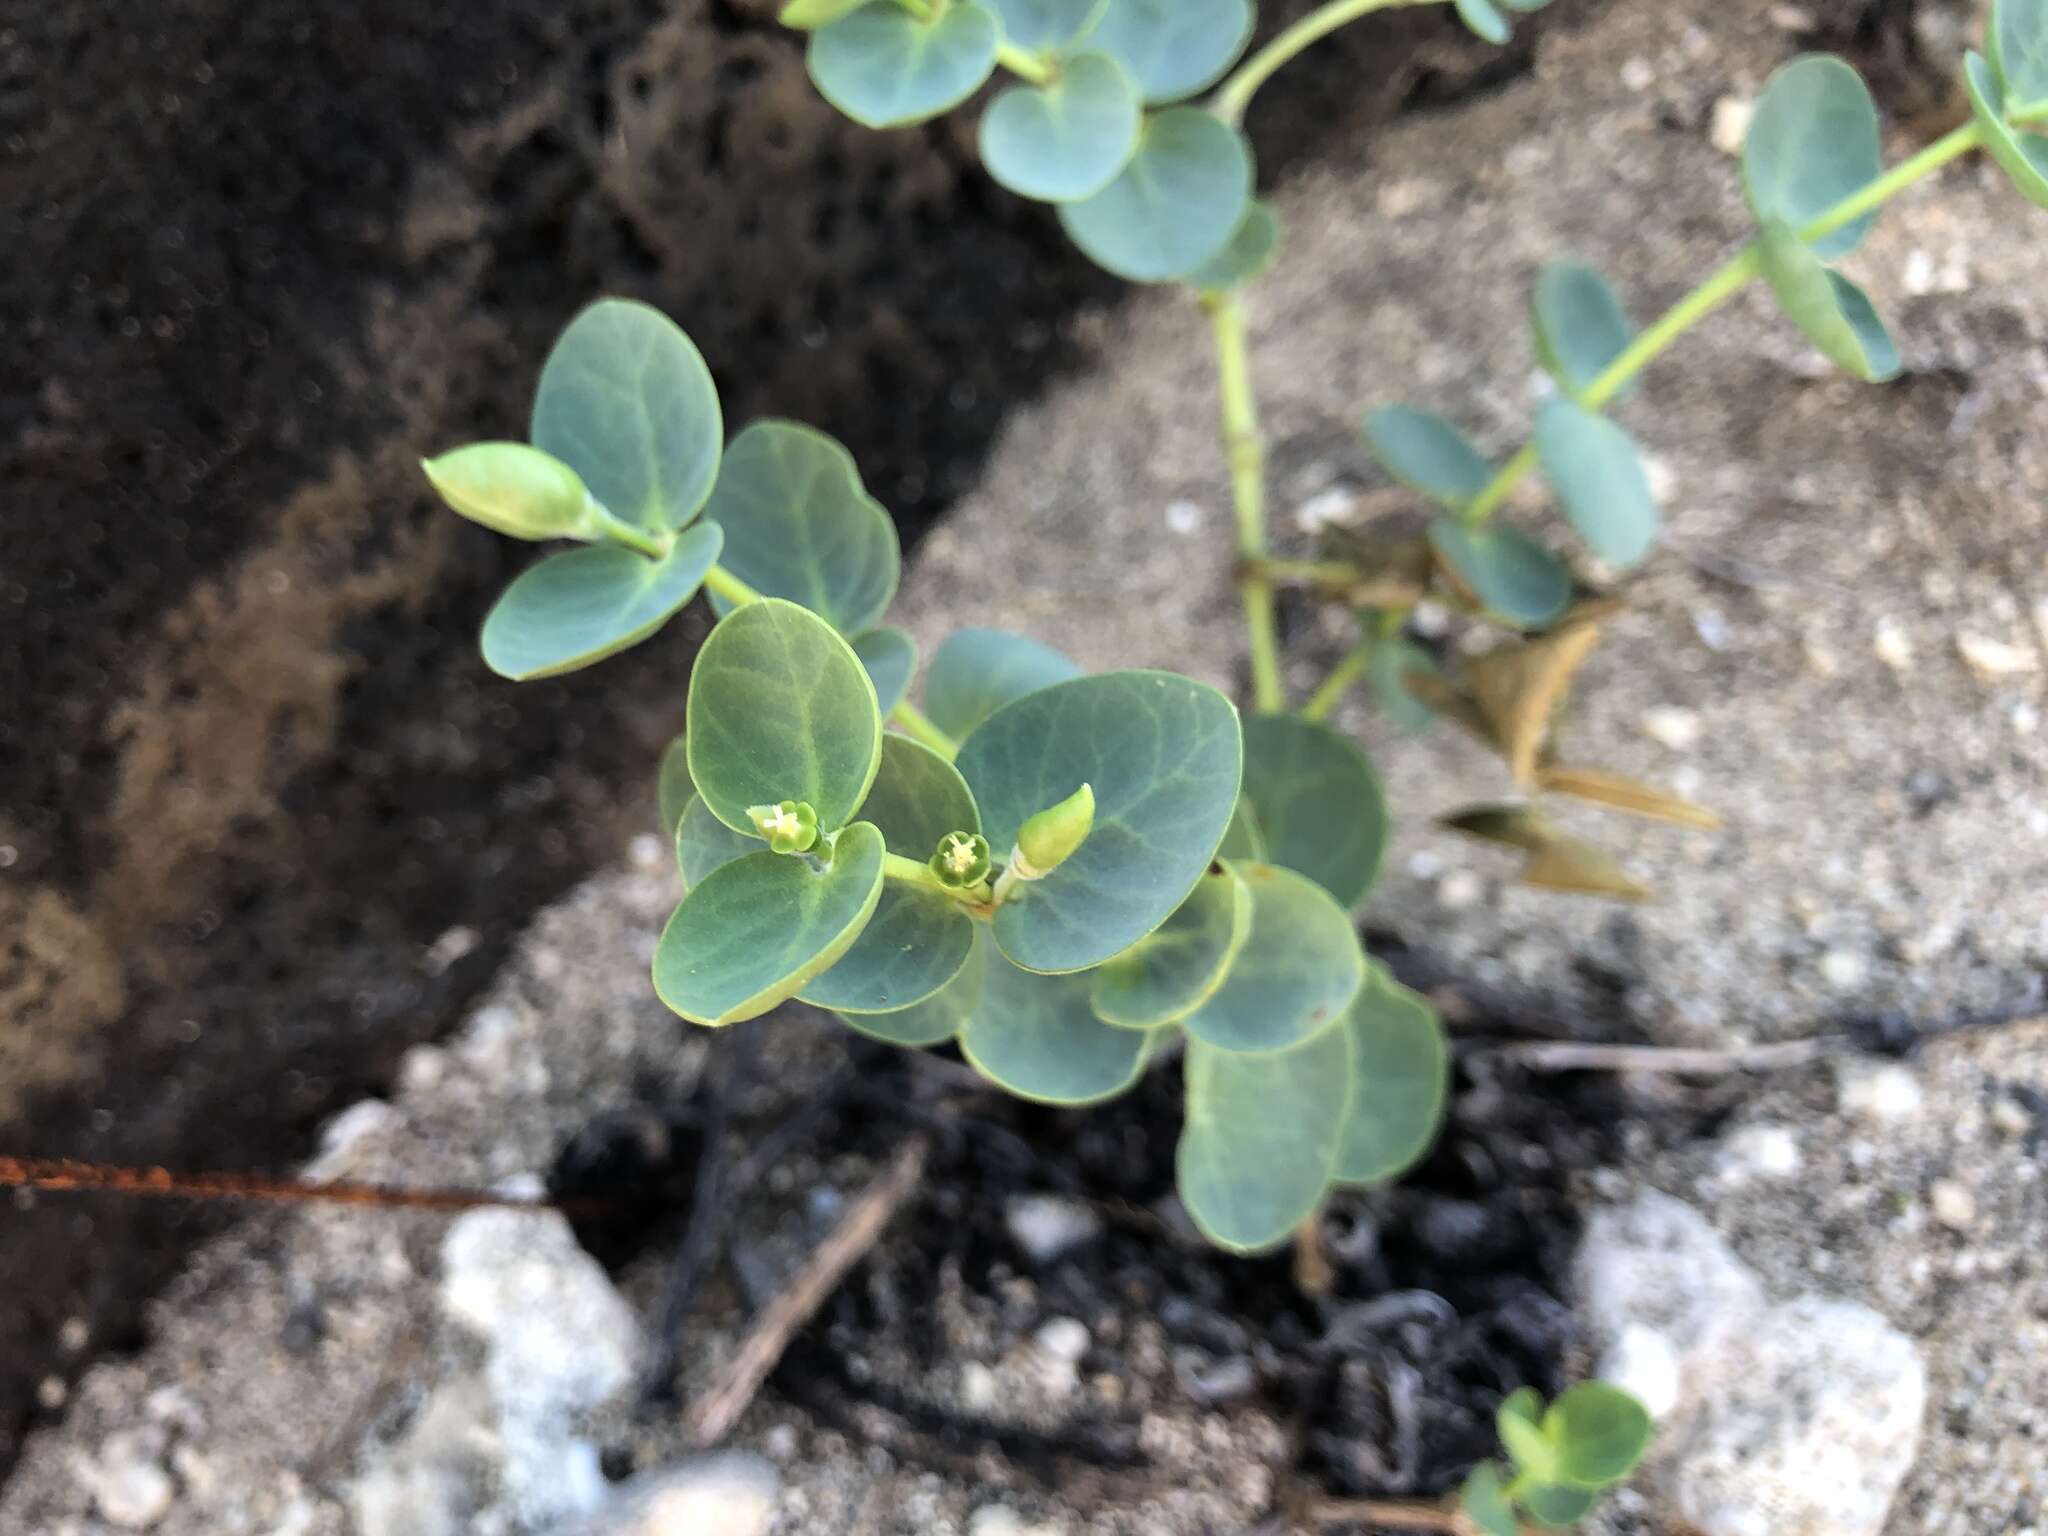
{"x":1047,"y":839}
{"x":791,"y":827}
{"x":963,"y":859}
{"x":516,"y":490}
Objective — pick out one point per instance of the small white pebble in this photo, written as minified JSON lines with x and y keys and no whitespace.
{"x":1790,"y":18}
{"x":1893,"y":645}
{"x":1637,"y":74}
{"x":1327,"y":508}
{"x":1889,"y":1092}
{"x":1642,"y":1361}
{"x":1063,"y":1338}
{"x":1459,"y":889}
{"x":1730,"y":124}
{"x":1183,"y":517}
{"x":1919,"y":275}
{"x":1954,"y":1206}
{"x":995,"y":1520}
{"x":977,"y":1387}
{"x":646,"y":851}
{"x":1759,"y":1152}
{"x":1843,"y":969}
{"x":1996,"y":658}
{"x":51,"y":1393}
{"x":1678,"y":729}
{"x":73,"y":1334}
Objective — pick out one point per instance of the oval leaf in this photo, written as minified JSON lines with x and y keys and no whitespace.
{"x":1174,"y":48}
{"x":1393,"y":661}
{"x":1516,"y":578}
{"x":1597,"y":475}
{"x":2021,"y":155}
{"x":1035,"y":1036}
{"x":977,"y":671}
{"x":1038,"y":26}
{"x":1062,"y":142}
{"x":1250,"y":252}
{"x":626,"y":401}
{"x":781,"y":709}
{"x":1317,"y":803}
{"x":1427,"y":454}
{"x":1579,"y":323}
{"x":704,"y":843}
{"x":2018,"y":39}
{"x":891,"y":659}
{"x":935,"y":1020}
{"x":578,"y":607}
{"x":1485,"y":1503}
{"x":1835,"y":314}
{"x":1485,"y":21}
{"x":1260,"y":1138}
{"x":1812,"y":141}
{"x":1600,"y":1433}
{"x":914,"y":945}
{"x":673,"y":789}
{"x":1554,"y":1505}
{"x":1163,"y":756}
{"x":885,"y":68}
{"x":1179,"y":966}
{"x":918,"y":797}
{"x":799,"y":526}
{"x":1242,"y":839}
{"x":758,"y":930}
{"x":1174,"y":206}
{"x":1519,"y":1423}
{"x":1401,"y":1070}
{"x":1299,"y":968}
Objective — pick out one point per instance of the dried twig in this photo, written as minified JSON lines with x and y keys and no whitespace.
{"x":713,"y":1415}
{"x":1389,"y":1515}
{"x":1575,"y":1056}
{"x":63,"y":1173}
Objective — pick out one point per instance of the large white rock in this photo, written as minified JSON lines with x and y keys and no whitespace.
{"x":730,"y":1494}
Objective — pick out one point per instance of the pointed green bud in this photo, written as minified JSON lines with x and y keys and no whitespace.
{"x":963,"y":859}
{"x":791,"y":827}
{"x":516,"y":490}
{"x":1047,"y":839}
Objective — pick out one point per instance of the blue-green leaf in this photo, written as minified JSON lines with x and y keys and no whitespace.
{"x":1317,"y":803}
{"x":799,"y":525}
{"x":891,"y":659}
{"x":1180,"y":964}
{"x":1579,"y":323}
{"x":1426,"y":453}
{"x":1297,"y":972}
{"x":1812,"y":142}
{"x":1174,"y":206}
{"x":1040,"y":26}
{"x":1175,"y":48}
{"x":914,"y":945}
{"x":935,"y":1020}
{"x":886,"y":68}
{"x":918,"y":797}
{"x":1400,"y":1065}
{"x":1598,"y":478}
{"x":673,"y":788}
{"x":1250,"y":252}
{"x":1035,"y":1036}
{"x":704,"y":843}
{"x":977,"y":671}
{"x":2022,"y":155}
{"x":1242,"y":839}
{"x":1485,"y":1503}
{"x":1836,"y":315}
{"x":578,"y":607}
{"x":1554,"y":1505}
{"x":626,"y":401}
{"x":1516,"y":578}
{"x":1484,"y":20}
{"x":2018,"y":40}
{"x":1067,"y":140}
{"x":1600,"y":1431}
{"x":1392,"y":661}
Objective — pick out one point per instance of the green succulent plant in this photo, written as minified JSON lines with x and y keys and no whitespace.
{"x":1073,"y":877}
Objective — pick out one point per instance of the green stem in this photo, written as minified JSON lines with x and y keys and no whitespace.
{"x":617,"y":530}
{"x":728,"y":586}
{"x":1720,"y":286}
{"x":918,"y":726}
{"x":1334,"y":572}
{"x":1025,"y":65}
{"x":896,"y":867}
{"x":1246,"y":450}
{"x":1342,"y":676}
{"x":1237,"y":92}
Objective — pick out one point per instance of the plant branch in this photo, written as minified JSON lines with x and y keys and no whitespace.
{"x":1025,"y":66}
{"x":1338,"y":683}
{"x":1236,"y":93}
{"x":655,"y":546}
{"x":728,"y":586}
{"x":1246,"y":450}
{"x":1389,"y":1515}
{"x":918,"y":725}
{"x":896,"y":866}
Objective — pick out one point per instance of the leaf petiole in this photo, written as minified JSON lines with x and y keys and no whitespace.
{"x":1236,"y":93}
{"x":1245,"y":448}
{"x":896,"y":866}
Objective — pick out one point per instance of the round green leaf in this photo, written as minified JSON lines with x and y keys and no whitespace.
{"x":1035,"y":1036}
{"x":704,"y":843}
{"x":1484,"y":21}
{"x":2018,"y":39}
{"x":1519,"y":1423}
{"x":1579,"y":323}
{"x":582,"y":605}
{"x":1297,"y":972}
{"x":1250,"y":252}
{"x":935,"y":1020}
{"x":1242,"y":839}
{"x":886,"y":68}
{"x":1812,"y":141}
{"x":1174,"y":206}
{"x":1163,"y":756}
{"x":977,"y":671}
{"x":626,"y":401}
{"x":1554,"y":1505}
{"x":781,"y":709}
{"x":914,"y":945}
{"x":799,"y":526}
{"x":1427,"y":454}
{"x":1402,"y":1070}
{"x":1600,"y":1433}
{"x":1179,"y":966}
{"x":1062,"y":142}
{"x":1393,"y":660}
{"x":673,"y":788}
{"x":891,"y":659}
{"x":1516,"y":578}
{"x":1260,"y":1138}
{"x":2021,"y":155}
{"x":1174,"y":48}
{"x":1038,"y":26}
{"x":1485,"y":1502}
{"x":1835,"y":314}
{"x":1317,"y":803}
{"x":1597,"y":475}
{"x":758,"y":930}
{"x":809,"y":15}
{"x":918,"y":797}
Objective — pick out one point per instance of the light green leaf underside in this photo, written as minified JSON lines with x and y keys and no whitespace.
{"x":917,"y":798}
{"x":1400,"y":1065}
{"x":704,"y":843}
{"x":915,"y":944}
{"x":1261,"y":1138}
{"x":891,"y":659}
{"x":1174,"y":48}
{"x":1812,"y":141}
{"x":1250,"y":251}
{"x":626,"y":401}
{"x":1175,"y":204}
{"x":1036,"y":1037}
{"x":1299,"y":968}
{"x":935,"y":1020}
{"x":1510,"y":573}
{"x":1485,"y":1502}
{"x":799,"y":526}
{"x":781,"y":709}
{"x":1037,"y":25}
{"x":1317,"y":803}
{"x":1065,"y":141}
{"x":1179,"y":966}
{"x":2023,"y":156}
{"x":758,"y":930}
{"x":1835,"y":314}
{"x":977,"y":671}
{"x":1426,"y":453}
{"x":885,"y":68}
{"x":578,"y":607}
{"x":1579,"y":323}
{"x":1163,"y":756}
{"x":1598,"y":477}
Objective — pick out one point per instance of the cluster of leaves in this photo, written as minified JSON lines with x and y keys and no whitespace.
{"x":1559,"y":1458}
